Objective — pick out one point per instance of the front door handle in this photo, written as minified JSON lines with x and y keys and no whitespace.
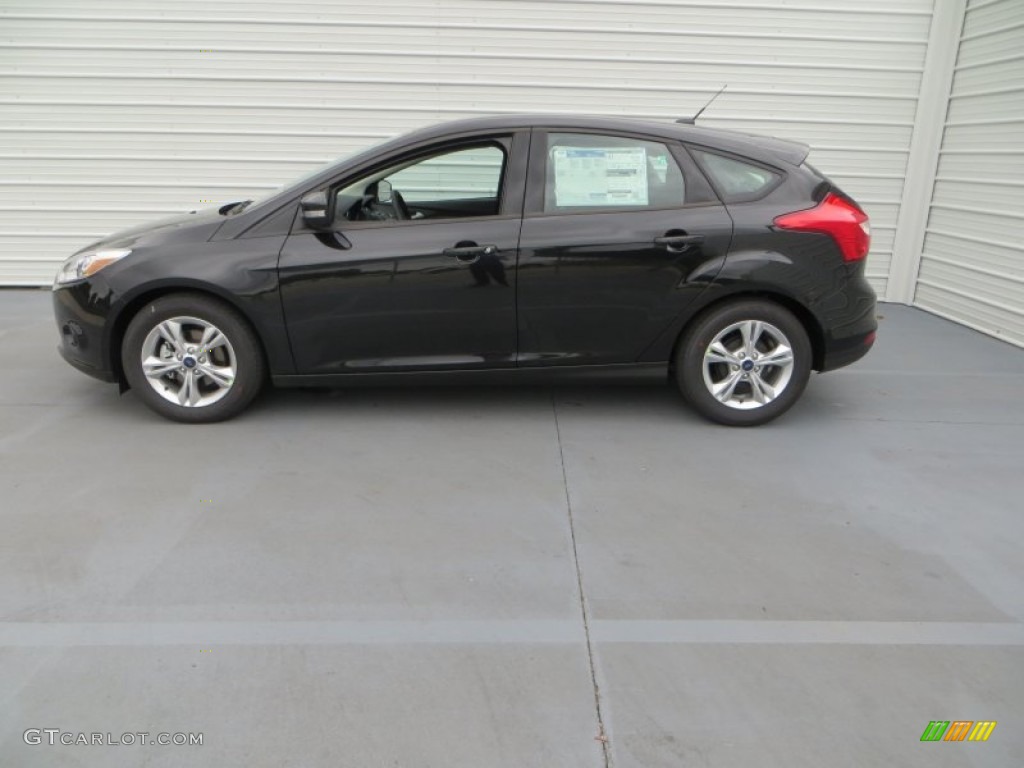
{"x":679,"y":242}
{"x":470,"y":253}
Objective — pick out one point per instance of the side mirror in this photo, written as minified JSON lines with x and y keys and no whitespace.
{"x":384,"y":195}
{"x":314,"y":207}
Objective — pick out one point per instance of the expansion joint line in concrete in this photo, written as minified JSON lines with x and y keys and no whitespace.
{"x":601,"y":734}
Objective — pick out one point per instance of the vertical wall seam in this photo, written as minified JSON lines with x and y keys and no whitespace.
{"x":925,"y":141}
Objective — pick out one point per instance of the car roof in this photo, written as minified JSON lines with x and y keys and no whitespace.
{"x":765,"y":148}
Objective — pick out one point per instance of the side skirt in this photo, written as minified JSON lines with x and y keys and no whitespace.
{"x":629,"y":373}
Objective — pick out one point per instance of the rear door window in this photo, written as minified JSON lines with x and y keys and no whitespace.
{"x":590,"y":172}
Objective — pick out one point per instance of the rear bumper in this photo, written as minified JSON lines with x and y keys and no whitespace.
{"x":851,"y":324}
{"x":846,"y":351}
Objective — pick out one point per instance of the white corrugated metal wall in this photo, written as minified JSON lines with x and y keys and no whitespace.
{"x":118,"y":111}
{"x":972,"y":265}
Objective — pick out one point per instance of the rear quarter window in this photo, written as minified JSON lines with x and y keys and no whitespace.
{"x":735,"y":179}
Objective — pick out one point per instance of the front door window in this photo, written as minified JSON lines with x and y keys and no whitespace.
{"x":459,"y":183}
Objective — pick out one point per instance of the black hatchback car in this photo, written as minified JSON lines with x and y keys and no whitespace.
{"x":519,"y":247}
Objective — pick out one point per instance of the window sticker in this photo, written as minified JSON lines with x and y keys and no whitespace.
{"x":590,"y":176}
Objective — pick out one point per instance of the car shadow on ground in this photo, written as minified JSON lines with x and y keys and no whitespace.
{"x":620,"y":402}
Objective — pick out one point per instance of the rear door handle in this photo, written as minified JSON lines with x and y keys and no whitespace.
{"x":678,"y":242}
{"x":470,"y":253}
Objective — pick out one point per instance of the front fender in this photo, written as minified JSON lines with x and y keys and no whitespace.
{"x":241,"y":273}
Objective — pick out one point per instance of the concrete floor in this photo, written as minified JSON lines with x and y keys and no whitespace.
{"x":393,"y":578}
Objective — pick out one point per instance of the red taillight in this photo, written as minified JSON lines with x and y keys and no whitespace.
{"x":843,"y":221}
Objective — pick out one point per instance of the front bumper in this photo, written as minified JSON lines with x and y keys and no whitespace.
{"x":81,"y":311}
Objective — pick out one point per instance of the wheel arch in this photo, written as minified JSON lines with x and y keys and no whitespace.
{"x":815,"y":333}
{"x":133,"y":305}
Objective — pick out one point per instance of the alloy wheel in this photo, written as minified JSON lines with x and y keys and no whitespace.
{"x":748,"y":364}
{"x":189,"y":362}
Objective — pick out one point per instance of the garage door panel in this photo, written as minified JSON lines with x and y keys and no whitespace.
{"x":798,"y":17}
{"x":871,"y":188}
{"x":980,"y":160}
{"x":420,"y":91}
{"x":183,"y":196}
{"x":242,"y":148}
{"x":876,"y":163}
{"x":573,"y":68}
{"x":57,"y":169}
{"x":968,"y":279}
{"x":988,"y":44}
{"x":972,"y":264}
{"x":947,"y":300}
{"x":1002,"y":134}
{"x":990,"y":104}
{"x":703,"y":39}
{"x":988,"y":254}
{"x":33,"y":261}
{"x":959,"y":217}
{"x":1000,"y":74}
{"x":122,"y":110}
{"x":1005,"y":194}
{"x":982,"y":17}
{"x":881,"y":238}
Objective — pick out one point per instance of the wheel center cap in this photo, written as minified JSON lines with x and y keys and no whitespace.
{"x":189,"y":362}
{"x":748,"y":365}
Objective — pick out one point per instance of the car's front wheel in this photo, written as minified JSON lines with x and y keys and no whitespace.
{"x":744,"y":363}
{"x":192,"y":359}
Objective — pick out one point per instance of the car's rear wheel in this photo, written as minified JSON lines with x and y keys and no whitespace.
{"x":192,"y":358}
{"x":744,"y":363}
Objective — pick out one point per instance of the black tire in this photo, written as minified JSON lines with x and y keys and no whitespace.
{"x":747,"y":411}
{"x":242,"y":349}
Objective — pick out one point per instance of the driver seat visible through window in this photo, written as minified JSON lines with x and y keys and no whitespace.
{"x":458,"y":183}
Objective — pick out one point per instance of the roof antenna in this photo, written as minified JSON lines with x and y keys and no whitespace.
{"x":693,"y":120}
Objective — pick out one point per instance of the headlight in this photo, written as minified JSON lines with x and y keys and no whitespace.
{"x":83,"y":265}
